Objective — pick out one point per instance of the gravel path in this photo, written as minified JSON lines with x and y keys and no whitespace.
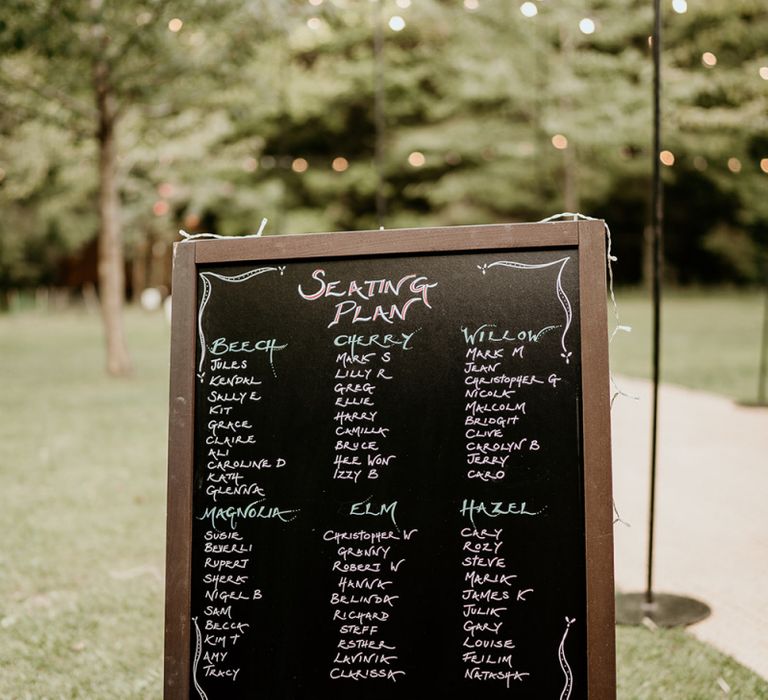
{"x":712,"y":510}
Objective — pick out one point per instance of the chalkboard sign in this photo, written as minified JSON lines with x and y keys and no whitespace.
{"x":389,"y":470}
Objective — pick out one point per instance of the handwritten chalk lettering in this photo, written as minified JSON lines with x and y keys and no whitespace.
{"x":475,"y":408}
{"x":478,"y":547}
{"x":212,"y":535}
{"x":353,"y":374}
{"x":478,"y":674}
{"x":473,"y":657}
{"x":365,"y":674}
{"x":343,"y":417}
{"x":367,"y":508}
{"x":489,"y":333}
{"x":378,"y":551}
{"x":223,"y":346}
{"x":472,"y":643}
{"x":386,"y":340}
{"x":496,"y":394}
{"x":349,"y":446}
{"x":239,"y":397}
{"x":212,"y":640}
{"x":235,"y":464}
{"x":500,"y":421}
{"x":474,"y":368}
{"x":352,"y":388}
{"x":347,"y":474}
{"x":214,"y":626}
{"x":366,"y":401}
{"x":216,"y":611}
{"x":373,"y":599}
{"x":225,"y":365}
{"x":482,"y":534}
{"x":474,"y":610}
{"x":363,"y":658}
{"x":477,"y":354}
{"x":356,"y":568}
{"x":225,"y":580}
{"x":360,"y":630}
{"x":345,"y":359}
{"x":366,"y":536}
{"x":347,"y":461}
{"x":233,"y":380}
{"x":374,"y":644}
{"x":230,"y":440}
{"x":358,"y":292}
{"x":484,"y":448}
{"x":228,"y":425}
{"x":211,"y":671}
{"x":485,"y":562}
{"x":416,"y":284}
{"x":219,"y":564}
{"x":495,"y":509}
{"x":361,"y":431}
{"x":377,"y":460}
{"x":487,"y":596}
{"x":505,"y":380}
{"x":211,"y":548}
{"x":220,"y":410}
{"x":229,"y":596}
{"x":231,"y":478}
{"x":353,"y":311}
{"x":215,"y":492}
{"x":475,"y":579}
{"x":365,"y":583}
{"x":231,"y":515}
{"x":475,"y":627}
{"x":360,"y":616}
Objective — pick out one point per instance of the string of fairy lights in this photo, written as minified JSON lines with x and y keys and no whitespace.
{"x":417,"y":159}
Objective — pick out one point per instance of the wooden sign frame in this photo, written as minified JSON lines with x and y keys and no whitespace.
{"x":586,"y":236}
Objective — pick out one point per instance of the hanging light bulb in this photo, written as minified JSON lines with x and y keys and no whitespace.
{"x":680,"y":6}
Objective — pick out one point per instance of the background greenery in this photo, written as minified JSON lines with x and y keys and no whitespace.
{"x":239,"y":112}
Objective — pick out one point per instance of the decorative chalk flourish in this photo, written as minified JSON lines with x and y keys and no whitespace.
{"x":198,"y":651}
{"x":568,"y":687}
{"x":561,"y":295}
{"x":207,"y":289}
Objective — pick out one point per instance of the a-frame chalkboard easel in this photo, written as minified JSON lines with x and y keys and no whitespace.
{"x":357,"y":419}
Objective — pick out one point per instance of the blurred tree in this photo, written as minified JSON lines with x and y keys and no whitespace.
{"x":228,"y":111}
{"x":717,"y":131}
{"x":87,"y":65}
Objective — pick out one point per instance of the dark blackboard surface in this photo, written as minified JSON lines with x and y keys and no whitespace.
{"x":273,"y":362}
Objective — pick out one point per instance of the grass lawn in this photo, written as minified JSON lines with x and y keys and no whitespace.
{"x":710,"y":340}
{"x":82,"y":489}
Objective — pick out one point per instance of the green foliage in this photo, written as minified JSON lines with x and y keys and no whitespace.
{"x":213,"y":118}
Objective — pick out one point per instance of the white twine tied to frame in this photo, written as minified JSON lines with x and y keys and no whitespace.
{"x":210,"y":236}
{"x":618,"y":327}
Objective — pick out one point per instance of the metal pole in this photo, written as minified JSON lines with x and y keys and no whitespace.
{"x":658,"y":260}
{"x":378,"y":111}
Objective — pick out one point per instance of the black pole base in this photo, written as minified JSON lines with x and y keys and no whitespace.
{"x":665,"y":610}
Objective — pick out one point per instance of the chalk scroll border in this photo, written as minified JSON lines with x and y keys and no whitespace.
{"x":565,"y":694}
{"x":562,"y":297}
{"x":208,"y":291}
{"x":198,"y":651}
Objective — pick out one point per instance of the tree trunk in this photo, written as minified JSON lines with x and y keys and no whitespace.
{"x":111,"y":260}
